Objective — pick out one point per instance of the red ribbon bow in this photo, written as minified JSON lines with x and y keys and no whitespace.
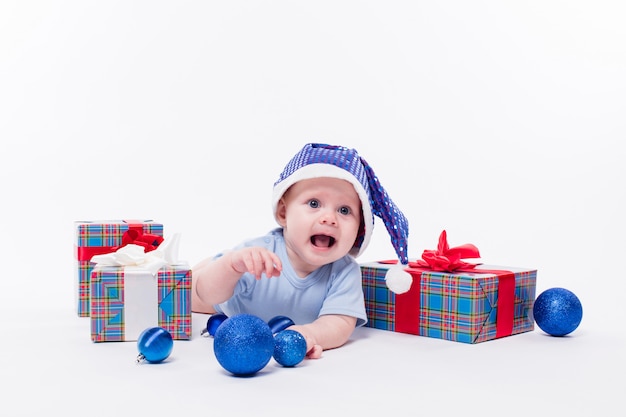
{"x":446,"y":258}
{"x":136,"y":236}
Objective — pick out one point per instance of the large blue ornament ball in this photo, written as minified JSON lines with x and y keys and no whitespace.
{"x":155,"y":344}
{"x":289,"y":348}
{"x":557,"y":311}
{"x":243,"y":344}
{"x":279,"y":323}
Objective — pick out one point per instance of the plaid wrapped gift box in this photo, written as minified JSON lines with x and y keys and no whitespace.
{"x":100,"y":237}
{"x":121,"y":308}
{"x":457,"y":306}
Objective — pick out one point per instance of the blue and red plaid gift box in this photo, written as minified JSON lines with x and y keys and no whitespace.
{"x":100,"y":237}
{"x":125,"y":301}
{"x":451,"y":299}
{"x":470,"y":307}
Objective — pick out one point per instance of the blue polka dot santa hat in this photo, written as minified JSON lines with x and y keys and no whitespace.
{"x":317,"y":160}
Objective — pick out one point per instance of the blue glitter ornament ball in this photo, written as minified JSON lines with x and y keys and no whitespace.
{"x":243,"y":344}
{"x":289,"y":348}
{"x":155,"y":344}
{"x":557,"y":311}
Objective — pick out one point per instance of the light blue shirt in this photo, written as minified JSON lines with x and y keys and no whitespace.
{"x":334,"y":288}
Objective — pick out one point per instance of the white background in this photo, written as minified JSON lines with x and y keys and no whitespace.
{"x":500,"y":122}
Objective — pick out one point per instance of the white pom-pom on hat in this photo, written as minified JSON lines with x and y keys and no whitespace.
{"x":398,"y":280}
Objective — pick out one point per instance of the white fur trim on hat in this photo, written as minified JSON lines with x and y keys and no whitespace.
{"x":321,"y":170}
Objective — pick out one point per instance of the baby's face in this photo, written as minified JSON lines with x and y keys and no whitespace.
{"x":321,"y":218}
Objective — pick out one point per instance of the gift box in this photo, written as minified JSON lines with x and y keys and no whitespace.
{"x":100,"y":237}
{"x":125,"y":301}
{"x":132,"y":290}
{"x":471,"y":303}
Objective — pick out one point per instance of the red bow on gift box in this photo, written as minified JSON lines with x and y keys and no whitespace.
{"x":136,"y":236}
{"x":445,"y":258}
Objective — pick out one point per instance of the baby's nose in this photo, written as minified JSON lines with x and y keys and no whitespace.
{"x":328,"y":217}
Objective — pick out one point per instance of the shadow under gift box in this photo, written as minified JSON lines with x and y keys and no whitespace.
{"x":457,"y":306}
{"x":127,"y":300}
{"x":97,"y":238}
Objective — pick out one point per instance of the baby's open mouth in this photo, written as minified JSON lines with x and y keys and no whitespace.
{"x":322,"y":241}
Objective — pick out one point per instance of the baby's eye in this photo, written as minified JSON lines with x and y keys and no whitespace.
{"x":345,"y":210}
{"x":313,"y":203}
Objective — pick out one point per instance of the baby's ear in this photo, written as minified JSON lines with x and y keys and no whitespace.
{"x":281,"y":212}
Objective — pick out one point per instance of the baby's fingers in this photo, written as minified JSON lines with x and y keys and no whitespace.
{"x":273,"y":266}
{"x":315,"y":352}
{"x":257,"y":262}
{"x":254,"y":263}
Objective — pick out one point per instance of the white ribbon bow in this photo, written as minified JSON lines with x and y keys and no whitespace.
{"x":134,"y":255}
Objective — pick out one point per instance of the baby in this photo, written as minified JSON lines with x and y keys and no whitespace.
{"x":324,"y":202}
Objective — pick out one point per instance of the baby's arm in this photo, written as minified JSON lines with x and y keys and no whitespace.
{"x":327,"y":332}
{"x":213,"y":281}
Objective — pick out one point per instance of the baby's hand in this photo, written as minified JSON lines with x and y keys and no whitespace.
{"x":315,"y":352}
{"x":256,"y":261}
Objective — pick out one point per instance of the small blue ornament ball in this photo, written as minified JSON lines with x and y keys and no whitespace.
{"x":155,"y":345}
{"x":213,"y":323}
{"x":243,"y":344}
{"x":289,"y":348}
{"x":279,"y":323}
{"x":557,"y":311}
